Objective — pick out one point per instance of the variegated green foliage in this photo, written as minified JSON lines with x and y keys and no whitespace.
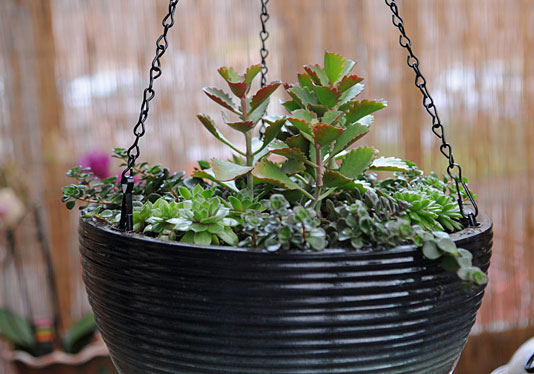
{"x":248,"y":111}
{"x":199,"y":218}
{"x":325,"y":119}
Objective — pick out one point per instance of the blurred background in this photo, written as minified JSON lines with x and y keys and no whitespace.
{"x":71,"y":79}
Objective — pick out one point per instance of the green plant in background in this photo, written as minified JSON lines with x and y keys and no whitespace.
{"x":21,"y":333}
{"x":306,"y":185}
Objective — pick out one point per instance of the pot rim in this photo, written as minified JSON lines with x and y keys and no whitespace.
{"x":467,"y":234}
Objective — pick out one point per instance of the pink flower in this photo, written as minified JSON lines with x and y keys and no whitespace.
{"x":98,"y":161}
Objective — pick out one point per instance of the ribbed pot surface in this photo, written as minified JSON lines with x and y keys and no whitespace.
{"x":165,"y":307}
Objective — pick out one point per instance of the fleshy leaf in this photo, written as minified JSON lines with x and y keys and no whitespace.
{"x":263,"y":94}
{"x":328,"y":96}
{"x":292,"y":166}
{"x":236,"y":82}
{"x":348,"y":81}
{"x":257,"y":113}
{"x":350,"y":136}
{"x":360,"y":109}
{"x":271,"y":132}
{"x":317,"y":74}
{"x":238,"y":88}
{"x":304,"y":115}
{"x":332,"y":178}
{"x":229,"y":74}
{"x":302,"y":95}
{"x":301,"y":125}
{"x":357,"y":161}
{"x":16,"y":329}
{"x":251,"y":72}
{"x":326,"y":134}
{"x":290,"y":105}
{"x":242,"y":126}
{"x":221,"y":98}
{"x":334,"y":65}
{"x":269,"y":172}
{"x":209,"y":124}
{"x":209,"y":175}
{"x":298,"y":141}
{"x":389,"y":164}
{"x":319,"y":109}
{"x":349,"y":65}
{"x":290,"y":153}
{"x":330,"y":116}
{"x":226,"y":171}
{"x":350,"y":93}
{"x":305,"y":81}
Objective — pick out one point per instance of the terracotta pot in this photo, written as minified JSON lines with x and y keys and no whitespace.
{"x":165,"y":307}
{"x":94,"y":359}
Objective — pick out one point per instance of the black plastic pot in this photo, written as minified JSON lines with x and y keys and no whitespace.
{"x":169,"y":308}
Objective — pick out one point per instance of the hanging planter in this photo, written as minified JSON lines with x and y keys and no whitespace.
{"x":368,"y":276}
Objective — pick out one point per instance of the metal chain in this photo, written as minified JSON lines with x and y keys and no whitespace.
{"x":162,"y":44}
{"x":437,"y":127}
{"x":264,"y":52}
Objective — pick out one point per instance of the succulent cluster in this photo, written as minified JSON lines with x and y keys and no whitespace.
{"x":306,"y":185}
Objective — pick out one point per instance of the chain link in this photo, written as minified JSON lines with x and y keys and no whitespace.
{"x":264,"y":52}
{"x":437,"y":127}
{"x":139,"y":130}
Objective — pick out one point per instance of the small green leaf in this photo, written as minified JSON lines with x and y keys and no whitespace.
{"x":305,"y":81}
{"x":290,"y":153}
{"x":251,"y":72}
{"x":318,"y":109}
{"x":229,"y":74}
{"x":290,"y":105}
{"x":350,"y":94}
{"x":304,"y":114}
{"x":389,"y":164}
{"x":209,"y":175}
{"x":330,"y":116}
{"x":350,"y":136}
{"x":328,"y":96}
{"x":79,"y":334}
{"x":202,"y":238}
{"x":334,"y":65}
{"x":258,"y":112}
{"x":298,"y":141}
{"x":302,"y":95}
{"x":360,"y":109}
{"x":447,"y":245}
{"x":263,"y":94}
{"x":229,"y":237}
{"x":269,"y":172}
{"x":226,"y":171}
{"x":16,"y":330}
{"x":209,"y":124}
{"x":292,"y":166}
{"x":317,"y":74}
{"x":348,"y":82}
{"x":357,"y":161}
{"x":241,"y":126}
{"x":431,"y":251}
{"x":326,"y":134}
{"x":221,"y":98}
{"x":332,"y":178}
{"x":303,"y":126}
{"x":271,"y":132}
{"x":70,"y":204}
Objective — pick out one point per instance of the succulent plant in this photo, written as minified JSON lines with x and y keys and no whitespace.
{"x":305,"y":185}
{"x":283,"y":227}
